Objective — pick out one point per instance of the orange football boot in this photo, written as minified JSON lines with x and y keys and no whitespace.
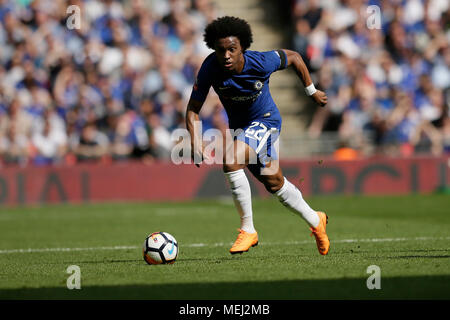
{"x":244,"y":241}
{"x":323,"y":243}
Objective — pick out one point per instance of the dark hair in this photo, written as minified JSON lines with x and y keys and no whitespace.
{"x":228,"y":27}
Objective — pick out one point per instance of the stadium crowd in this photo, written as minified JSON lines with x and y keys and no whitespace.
{"x":387,"y":85}
{"x":112,"y":89}
{"x":117,"y":86}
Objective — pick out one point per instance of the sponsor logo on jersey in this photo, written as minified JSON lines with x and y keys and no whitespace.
{"x":243,"y":98}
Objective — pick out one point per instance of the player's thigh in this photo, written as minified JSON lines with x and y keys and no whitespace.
{"x":236,"y":156}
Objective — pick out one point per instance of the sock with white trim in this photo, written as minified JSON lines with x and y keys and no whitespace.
{"x":292,"y":198}
{"x":240,"y":189}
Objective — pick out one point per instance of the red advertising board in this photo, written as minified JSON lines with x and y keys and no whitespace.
{"x":165,"y":181}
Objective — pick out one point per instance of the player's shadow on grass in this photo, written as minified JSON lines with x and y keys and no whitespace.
{"x":418,"y":250}
{"x":206,"y":260}
{"x":238,"y":256}
{"x":414,"y":287}
{"x":228,"y":258}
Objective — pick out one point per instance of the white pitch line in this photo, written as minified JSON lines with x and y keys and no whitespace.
{"x":30,"y":250}
{"x":220,"y":244}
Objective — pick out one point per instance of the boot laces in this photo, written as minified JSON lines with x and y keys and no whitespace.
{"x":240,"y":237}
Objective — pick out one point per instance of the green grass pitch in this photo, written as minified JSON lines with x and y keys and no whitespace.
{"x":408,"y":237}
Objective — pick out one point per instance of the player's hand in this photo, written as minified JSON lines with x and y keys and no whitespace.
{"x":320,"y":98}
{"x":198,"y":154}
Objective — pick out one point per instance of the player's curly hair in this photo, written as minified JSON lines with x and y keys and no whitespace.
{"x":228,"y":27}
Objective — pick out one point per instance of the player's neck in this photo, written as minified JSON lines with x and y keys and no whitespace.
{"x":241,"y":64}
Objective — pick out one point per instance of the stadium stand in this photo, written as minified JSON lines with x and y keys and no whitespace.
{"x":388,"y":86}
{"x":115,"y":88}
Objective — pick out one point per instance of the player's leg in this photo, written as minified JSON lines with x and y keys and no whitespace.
{"x":240,"y":187}
{"x":270,"y":174}
{"x":237,"y":156}
{"x":288,"y":194}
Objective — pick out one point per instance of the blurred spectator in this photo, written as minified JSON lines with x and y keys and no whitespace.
{"x":160,"y":137}
{"x":49,"y":142}
{"x":89,"y":145}
{"x":446,"y":135}
{"x":14,"y":146}
{"x":128,"y":136}
{"x":17,"y":117}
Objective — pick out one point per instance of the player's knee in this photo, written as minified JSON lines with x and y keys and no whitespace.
{"x":274,"y":184}
{"x":230,"y":167}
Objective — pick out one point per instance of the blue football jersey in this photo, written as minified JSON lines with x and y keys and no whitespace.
{"x":245,"y":96}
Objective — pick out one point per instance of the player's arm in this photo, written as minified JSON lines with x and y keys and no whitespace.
{"x":199,"y":93}
{"x":295,"y":60}
{"x":192,"y":125}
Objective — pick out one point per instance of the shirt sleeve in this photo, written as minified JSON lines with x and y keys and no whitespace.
{"x":274,"y":60}
{"x":202,"y":83}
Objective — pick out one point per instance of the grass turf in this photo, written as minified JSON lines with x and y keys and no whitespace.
{"x":408,"y":237}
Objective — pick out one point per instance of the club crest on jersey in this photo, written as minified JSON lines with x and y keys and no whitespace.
{"x":258,"y":85}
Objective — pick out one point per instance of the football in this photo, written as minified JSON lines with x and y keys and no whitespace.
{"x":160,"y":248}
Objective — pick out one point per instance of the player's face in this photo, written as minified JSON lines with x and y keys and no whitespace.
{"x":229,"y":53}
